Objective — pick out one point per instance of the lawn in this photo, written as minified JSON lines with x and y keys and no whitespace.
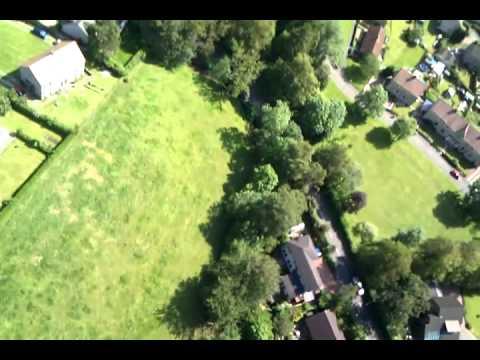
{"x":472,"y":307}
{"x":332,"y":91}
{"x":346,"y":27}
{"x":78,"y":103}
{"x":15,"y":121}
{"x":112,"y":229}
{"x":402,"y":184}
{"x":398,"y":54}
{"x":17,"y":45}
{"x":17,"y":163}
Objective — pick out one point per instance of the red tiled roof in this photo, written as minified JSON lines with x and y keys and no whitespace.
{"x":448,"y":115}
{"x":472,"y":137}
{"x":373,"y":41}
{"x":410,"y":83}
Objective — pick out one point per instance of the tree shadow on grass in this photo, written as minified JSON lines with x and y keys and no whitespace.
{"x":379,"y":137}
{"x":186,"y":312}
{"x":210,"y":91}
{"x":448,"y":210}
{"x":353,"y":73}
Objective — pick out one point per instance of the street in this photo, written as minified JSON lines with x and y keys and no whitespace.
{"x":344,"y":270}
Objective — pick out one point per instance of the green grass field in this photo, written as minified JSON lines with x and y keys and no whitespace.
{"x":346,"y":27}
{"x":14,"y":121}
{"x":402,"y":184}
{"x":398,"y":53}
{"x":17,"y":45}
{"x":75,"y":105}
{"x":472,"y":307}
{"x":17,"y":162}
{"x":111,"y":228}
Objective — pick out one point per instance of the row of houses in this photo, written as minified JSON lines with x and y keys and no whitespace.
{"x":457,"y":132}
{"x":307,"y":276}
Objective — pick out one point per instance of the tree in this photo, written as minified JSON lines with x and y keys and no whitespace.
{"x":171,"y":42}
{"x":243,"y":278}
{"x":103,"y":39}
{"x":222,"y":70}
{"x":283,"y":323}
{"x":403,"y":128}
{"x":384,"y":262}
{"x":471,"y":202}
{"x":322,"y":72}
{"x":5,"y":104}
{"x":414,"y":35}
{"x":293,"y":131}
{"x":356,"y":201}
{"x":276,"y":118}
{"x":468,"y":264}
{"x":366,"y":231}
{"x":320,"y":116}
{"x":265,"y":179}
{"x":294,"y":81}
{"x":409,"y":237}
{"x":435,"y":258}
{"x":369,"y":66}
{"x":372,"y":102}
{"x":255,"y":35}
{"x":260,"y":325}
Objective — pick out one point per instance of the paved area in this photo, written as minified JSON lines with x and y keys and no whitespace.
{"x":344,"y":270}
{"x":417,"y":140}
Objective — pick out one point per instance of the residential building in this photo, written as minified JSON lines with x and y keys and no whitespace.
{"x":308,"y":273}
{"x":445,"y":319}
{"x":456,"y":131}
{"x":77,"y":29}
{"x":324,"y":326}
{"x":373,"y":41}
{"x":448,"y":27}
{"x":406,"y":88}
{"x":471,"y":57}
{"x":53,"y":70}
{"x":447,"y":57}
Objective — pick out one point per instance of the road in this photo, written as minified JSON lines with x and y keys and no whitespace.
{"x":416,"y":140}
{"x":344,"y":268}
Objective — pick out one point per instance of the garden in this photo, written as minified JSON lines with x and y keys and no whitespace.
{"x":152,"y":161}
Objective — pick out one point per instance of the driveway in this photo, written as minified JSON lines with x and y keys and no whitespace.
{"x":416,"y":140}
{"x":344,"y":270}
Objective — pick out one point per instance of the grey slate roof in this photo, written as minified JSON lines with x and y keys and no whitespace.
{"x":323,"y":326}
{"x":448,"y":307}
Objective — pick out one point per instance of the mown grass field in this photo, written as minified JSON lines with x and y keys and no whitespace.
{"x":17,"y":162}
{"x":78,"y":103}
{"x":17,"y":45}
{"x":472,"y":307}
{"x":112,"y":225}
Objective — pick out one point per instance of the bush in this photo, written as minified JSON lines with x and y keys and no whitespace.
{"x":43,"y":120}
{"x":138,"y":57}
{"x":34,"y":143}
{"x":117,"y":70}
{"x":366,"y":231}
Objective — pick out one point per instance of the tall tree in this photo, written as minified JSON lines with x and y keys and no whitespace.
{"x":435,"y":258}
{"x":264,"y":179}
{"x":260,"y":325}
{"x":283,"y":323}
{"x":369,"y":66}
{"x":171,"y":42}
{"x":403,"y":128}
{"x":320,"y":116}
{"x":276,"y":118}
{"x":409,"y":237}
{"x":103,"y":39}
{"x":471,"y":202}
{"x":372,"y":102}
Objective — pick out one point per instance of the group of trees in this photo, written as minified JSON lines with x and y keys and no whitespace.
{"x":103,"y":40}
{"x":397,"y":271}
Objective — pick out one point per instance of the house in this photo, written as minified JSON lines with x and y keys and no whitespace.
{"x":324,"y":326}
{"x":445,"y":319}
{"x":77,"y":29}
{"x":471,"y":57}
{"x":53,"y":70}
{"x":308,"y":273}
{"x":455,"y":130}
{"x":448,"y":27}
{"x":373,"y":41}
{"x":406,"y":88}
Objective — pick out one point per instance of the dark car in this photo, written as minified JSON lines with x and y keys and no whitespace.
{"x":40,"y":33}
{"x":455,"y":174}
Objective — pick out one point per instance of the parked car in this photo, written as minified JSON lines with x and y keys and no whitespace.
{"x":40,"y":33}
{"x":455,"y":174}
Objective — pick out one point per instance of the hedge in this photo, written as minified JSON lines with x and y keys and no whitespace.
{"x":117,"y":69}
{"x":34,"y":143}
{"x":136,"y":58}
{"x":43,"y":120}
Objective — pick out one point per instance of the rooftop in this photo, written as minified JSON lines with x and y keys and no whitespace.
{"x":410,"y":83}
{"x":323,"y":326}
{"x":373,"y":41}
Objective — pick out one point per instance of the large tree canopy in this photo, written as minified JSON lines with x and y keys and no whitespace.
{"x":372,"y":102}
{"x":103,"y":39}
{"x":275,"y":118}
{"x":471,"y":202}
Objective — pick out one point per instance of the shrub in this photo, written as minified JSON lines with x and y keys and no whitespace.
{"x":117,"y":69}
{"x":138,"y":57}
{"x":356,"y":201}
{"x":366,"y":231}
